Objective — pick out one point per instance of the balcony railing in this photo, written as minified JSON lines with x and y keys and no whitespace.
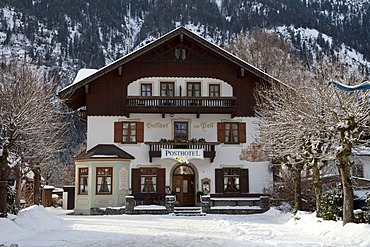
{"x":159,"y":104}
{"x":155,"y":148}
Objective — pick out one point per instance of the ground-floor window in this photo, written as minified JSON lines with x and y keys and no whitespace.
{"x":104,"y":180}
{"x":148,"y":180}
{"x":83,"y":176}
{"x":232,"y":180}
{"x":148,"y":185}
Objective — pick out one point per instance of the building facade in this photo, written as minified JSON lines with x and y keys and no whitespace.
{"x":174,"y":117}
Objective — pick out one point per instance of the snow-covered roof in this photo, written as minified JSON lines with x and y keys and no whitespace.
{"x":361,"y":151}
{"x":83,"y":73}
{"x":105,"y":151}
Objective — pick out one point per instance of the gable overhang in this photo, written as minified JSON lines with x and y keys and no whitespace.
{"x":74,"y":95}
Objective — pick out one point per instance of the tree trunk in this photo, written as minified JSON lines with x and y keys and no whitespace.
{"x":4,"y":176}
{"x":297,"y":189}
{"x":345,"y":175}
{"x":36,"y":186}
{"x":18,"y":188}
{"x":317,"y":187}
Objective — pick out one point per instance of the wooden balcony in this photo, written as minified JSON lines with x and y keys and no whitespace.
{"x":172,"y":105}
{"x":155,"y":148}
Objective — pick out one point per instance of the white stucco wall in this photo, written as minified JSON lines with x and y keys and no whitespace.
{"x":100,"y":131}
{"x":134,"y":88}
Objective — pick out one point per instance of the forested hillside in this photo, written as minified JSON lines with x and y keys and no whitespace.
{"x":67,"y":35}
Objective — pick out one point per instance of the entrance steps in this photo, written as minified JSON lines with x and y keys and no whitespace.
{"x":188,"y":211}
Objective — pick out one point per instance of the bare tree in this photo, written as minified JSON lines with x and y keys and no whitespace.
{"x":313,"y":123}
{"x":348,"y":114}
{"x":31,"y":121}
{"x":269,"y":53}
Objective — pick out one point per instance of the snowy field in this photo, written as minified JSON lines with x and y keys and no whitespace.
{"x":37,"y":226}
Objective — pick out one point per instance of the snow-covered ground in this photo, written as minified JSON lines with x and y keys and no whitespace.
{"x":37,"y":226}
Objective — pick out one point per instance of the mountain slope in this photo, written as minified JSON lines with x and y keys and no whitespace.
{"x":67,"y":35}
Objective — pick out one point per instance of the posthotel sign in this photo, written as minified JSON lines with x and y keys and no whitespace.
{"x":182,"y":153}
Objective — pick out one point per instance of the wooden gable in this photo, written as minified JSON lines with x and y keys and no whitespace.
{"x":180,"y":53}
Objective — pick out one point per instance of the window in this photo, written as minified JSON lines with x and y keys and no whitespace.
{"x":231,"y":132}
{"x":146,"y":89}
{"x":104,"y":180}
{"x":148,"y":180}
{"x":214,"y":90}
{"x":232,"y":180}
{"x":83,"y":175}
{"x":358,"y":170}
{"x":193,"y":89}
{"x":181,"y":131}
{"x":128,"y":132}
{"x":167,"y":89}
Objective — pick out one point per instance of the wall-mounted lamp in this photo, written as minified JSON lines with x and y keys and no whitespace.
{"x":171,"y":115}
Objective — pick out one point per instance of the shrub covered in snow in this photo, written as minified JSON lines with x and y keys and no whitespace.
{"x":332,"y":204}
{"x":10,"y":201}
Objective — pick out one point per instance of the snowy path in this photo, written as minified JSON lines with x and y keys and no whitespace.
{"x":269,"y":229}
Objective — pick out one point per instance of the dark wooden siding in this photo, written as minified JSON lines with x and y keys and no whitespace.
{"x":107,"y":94}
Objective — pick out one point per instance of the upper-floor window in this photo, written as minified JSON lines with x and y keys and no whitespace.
{"x":146,"y":89}
{"x":214,"y":90}
{"x":231,"y":132}
{"x":193,"y":89}
{"x":167,"y":88}
{"x":128,"y":132}
{"x":83,"y":176}
{"x":104,"y":180}
{"x":181,"y":131}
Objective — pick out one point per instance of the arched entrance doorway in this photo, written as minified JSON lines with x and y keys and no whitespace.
{"x":183,"y":184}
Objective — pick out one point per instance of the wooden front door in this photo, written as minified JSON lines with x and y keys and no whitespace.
{"x":184,"y":187}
